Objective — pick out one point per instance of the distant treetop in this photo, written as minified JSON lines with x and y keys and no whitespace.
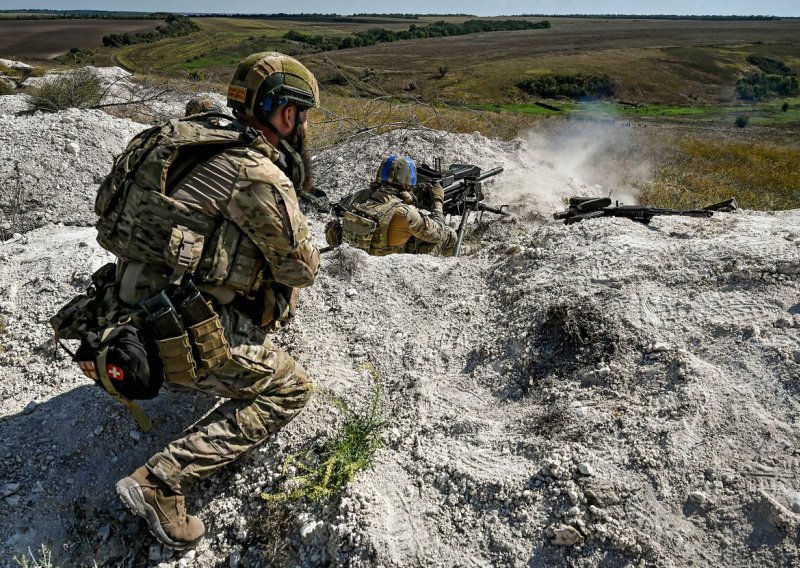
{"x":647,"y":17}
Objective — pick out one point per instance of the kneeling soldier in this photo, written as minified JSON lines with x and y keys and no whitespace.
{"x":209,"y":204}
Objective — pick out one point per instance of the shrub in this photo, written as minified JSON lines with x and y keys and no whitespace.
{"x":762,"y":85}
{"x":328,"y":468}
{"x":197,"y":75}
{"x":5,"y":88}
{"x":442,"y":71}
{"x":79,"y":88}
{"x":785,"y":106}
{"x":741,"y":121}
{"x":769,"y":65}
{"x":577,"y":86}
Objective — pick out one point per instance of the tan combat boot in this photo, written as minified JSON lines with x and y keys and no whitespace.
{"x":162,"y":508}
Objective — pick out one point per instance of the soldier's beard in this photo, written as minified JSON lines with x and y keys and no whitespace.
{"x":300,"y":146}
{"x":308,"y":165}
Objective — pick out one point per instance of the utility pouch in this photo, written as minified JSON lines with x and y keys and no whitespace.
{"x":278,"y":303}
{"x":209,"y":339}
{"x":357,"y":231}
{"x":176,"y":356}
{"x":204,"y":326}
{"x":174,"y":348}
{"x":183,"y":252}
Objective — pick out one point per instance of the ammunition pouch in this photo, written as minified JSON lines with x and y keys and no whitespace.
{"x":176,"y":356}
{"x":212,"y":347}
{"x":357,"y":231}
{"x":204,"y":325}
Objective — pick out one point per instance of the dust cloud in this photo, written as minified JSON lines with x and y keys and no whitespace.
{"x":612,"y":158}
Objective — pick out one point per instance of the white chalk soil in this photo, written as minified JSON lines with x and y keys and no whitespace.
{"x":600,"y":394}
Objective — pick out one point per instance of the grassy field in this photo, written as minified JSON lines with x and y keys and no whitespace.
{"x":677,"y":76}
{"x":759,"y":174}
{"x":769,"y":113}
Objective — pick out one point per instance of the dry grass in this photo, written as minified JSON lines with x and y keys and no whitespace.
{"x":347,"y":118}
{"x":79,"y":88}
{"x":761,"y":176}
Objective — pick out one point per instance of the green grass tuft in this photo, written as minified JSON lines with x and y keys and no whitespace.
{"x":325,"y":470}
{"x":79,"y":88}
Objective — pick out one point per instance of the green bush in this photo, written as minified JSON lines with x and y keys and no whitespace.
{"x":577,"y":86}
{"x":785,"y":106}
{"x":79,"y":88}
{"x":177,"y":26}
{"x":741,"y":121}
{"x":436,"y":29}
{"x":325,"y":470}
{"x":5,"y":88}
{"x":762,"y":85}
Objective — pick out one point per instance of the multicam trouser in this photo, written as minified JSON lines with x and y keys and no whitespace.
{"x":266,"y":388}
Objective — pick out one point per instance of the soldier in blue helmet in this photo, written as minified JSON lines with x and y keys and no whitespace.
{"x":389,"y":221}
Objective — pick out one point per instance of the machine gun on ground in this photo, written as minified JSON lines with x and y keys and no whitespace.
{"x":463,"y":194}
{"x":581,"y":208}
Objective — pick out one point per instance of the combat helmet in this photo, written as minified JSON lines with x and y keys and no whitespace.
{"x":203,"y":103}
{"x":398,"y":171}
{"x":264,"y":81}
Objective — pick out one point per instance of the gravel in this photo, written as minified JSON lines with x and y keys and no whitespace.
{"x":557,"y":399}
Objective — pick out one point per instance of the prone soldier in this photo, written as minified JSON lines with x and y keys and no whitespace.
{"x":389,"y":219}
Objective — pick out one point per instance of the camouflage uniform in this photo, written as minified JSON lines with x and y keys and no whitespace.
{"x":266,"y":387}
{"x":398,"y":227}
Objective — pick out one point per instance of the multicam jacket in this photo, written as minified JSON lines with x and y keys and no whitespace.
{"x":204,"y":197}
{"x":385,"y":224}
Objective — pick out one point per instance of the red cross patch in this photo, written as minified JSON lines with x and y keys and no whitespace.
{"x":89,"y":369}
{"x":115,"y":372}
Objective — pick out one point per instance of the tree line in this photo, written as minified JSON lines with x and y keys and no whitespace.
{"x":31,"y":14}
{"x":648,"y":17}
{"x":176,"y":26}
{"x":436,"y":29}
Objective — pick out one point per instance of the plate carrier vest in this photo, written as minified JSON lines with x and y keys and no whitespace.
{"x":140,"y":222}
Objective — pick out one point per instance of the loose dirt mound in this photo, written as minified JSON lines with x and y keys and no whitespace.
{"x":606,"y":393}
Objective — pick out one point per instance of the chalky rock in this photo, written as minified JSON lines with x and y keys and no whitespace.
{"x":567,"y":536}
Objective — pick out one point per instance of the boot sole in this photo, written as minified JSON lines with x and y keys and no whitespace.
{"x":131,"y":494}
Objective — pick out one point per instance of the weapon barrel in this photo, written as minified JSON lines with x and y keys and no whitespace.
{"x":490,"y":173}
{"x":453,"y":190}
{"x":646,"y":211}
